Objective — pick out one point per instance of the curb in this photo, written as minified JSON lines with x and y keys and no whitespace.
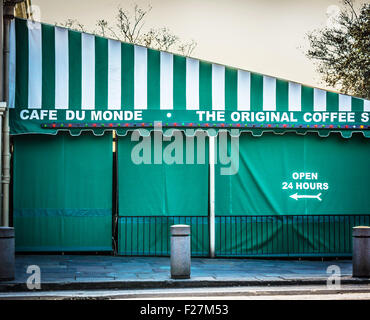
{"x":161,"y":284}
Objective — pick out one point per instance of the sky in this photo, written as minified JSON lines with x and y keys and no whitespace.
{"x":265,"y":36}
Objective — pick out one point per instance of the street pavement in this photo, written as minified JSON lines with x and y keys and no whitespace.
{"x":100,"y":272}
{"x":319,"y":292}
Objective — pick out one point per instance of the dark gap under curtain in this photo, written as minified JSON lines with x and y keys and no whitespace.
{"x":63,"y":192}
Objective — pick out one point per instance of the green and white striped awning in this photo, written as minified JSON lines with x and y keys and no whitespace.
{"x":66,"y":80}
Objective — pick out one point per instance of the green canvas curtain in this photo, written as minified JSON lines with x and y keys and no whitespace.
{"x":160,"y":190}
{"x":275,"y":175}
{"x":150,"y":189}
{"x":63,"y":192}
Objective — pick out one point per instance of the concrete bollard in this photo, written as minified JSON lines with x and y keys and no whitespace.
{"x":180,"y":251}
{"x":361,"y":251}
{"x":7,"y":256}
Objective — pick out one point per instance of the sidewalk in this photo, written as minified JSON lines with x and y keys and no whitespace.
{"x":77,"y":272}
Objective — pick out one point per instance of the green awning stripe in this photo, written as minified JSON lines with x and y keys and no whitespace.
{"x":153,"y":79}
{"x":127,"y":74}
{"x":48,"y":66}
{"x":231,"y":87}
{"x":307,"y":99}
{"x":101,"y":73}
{"x":205,"y":86}
{"x":256,"y":92}
{"x":357,"y":104}
{"x":179,"y":82}
{"x":282,"y":95}
{"x":332,"y":101}
{"x":21,"y":86}
{"x":74,"y":49}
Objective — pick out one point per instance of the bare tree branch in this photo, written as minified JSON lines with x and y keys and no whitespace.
{"x":129,"y":26}
{"x":342,"y":53}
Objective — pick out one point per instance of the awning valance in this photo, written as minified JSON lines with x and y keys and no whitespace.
{"x":66,"y":80}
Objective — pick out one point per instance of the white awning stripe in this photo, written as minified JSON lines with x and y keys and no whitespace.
{"x":319,"y":100}
{"x":244,"y":90}
{"x":295,"y":103}
{"x":269,"y":93}
{"x":140,"y":77}
{"x":166,"y":81}
{"x":88,"y":71}
{"x":345,"y":102}
{"x":192,"y":84}
{"x":367,"y":105}
{"x":34,"y":65}
{"x":114,"y":75}
{"x":61,"y":68}
{"x":218,"y":87}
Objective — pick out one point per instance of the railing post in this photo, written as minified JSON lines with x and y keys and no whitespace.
{"x":212,"y":142}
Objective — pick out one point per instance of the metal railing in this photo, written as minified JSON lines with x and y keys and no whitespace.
{"x":244,"y":236}
{"x":150,"y":235}
{"x":284,"y":236}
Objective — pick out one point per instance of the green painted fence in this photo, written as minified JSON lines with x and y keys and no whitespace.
{"x":244,"y":236}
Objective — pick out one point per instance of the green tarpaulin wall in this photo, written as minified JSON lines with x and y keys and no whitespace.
{"x":63,"y":192}
{"x":272,"y":170}
{"x":161,"y":190}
